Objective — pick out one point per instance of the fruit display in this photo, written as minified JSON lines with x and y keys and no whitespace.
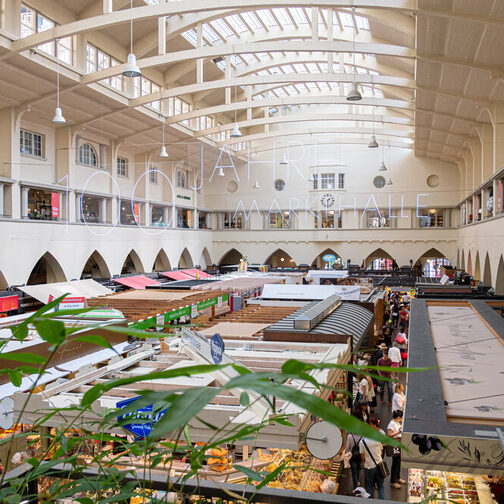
{"x":446,"y":487}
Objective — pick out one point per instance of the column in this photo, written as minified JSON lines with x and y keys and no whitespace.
{"x":166,"y":215}
{"x":78,"y":215}
{"x":147,"y":214}
{"x":195,"y":218}
{"x":103,"y":210}
{"x":24,"y":202}
{"x":1,"y":199}
{"x":498,"y":136}
{"x":62,"y":207}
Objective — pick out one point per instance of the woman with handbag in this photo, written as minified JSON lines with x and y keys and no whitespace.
{"x":375,"y":469}
{"x":394,"y":430}
{"x":352,"y":448}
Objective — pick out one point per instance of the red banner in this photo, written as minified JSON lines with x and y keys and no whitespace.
{"x":55,"y":203}
{"x":136,"y":212}
{"x":9,"y":303}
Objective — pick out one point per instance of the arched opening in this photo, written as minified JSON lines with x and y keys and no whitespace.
{"x":462,"y":264}
{"x":430,"y":263}
{"x":132,"y":264}
{"x":231,"y":258}
{"x":161,"y":263}
{"x":205,"y":259}
{"x":499,"y":281}
{"x":95,"y":267}
{"x":185,"y":260}
{"x":469,"y":268}
{"x":280,"y":259}
{"x":3,"y":282}
{"x":379,"y":260}
{"x":477,"y":269}
{"x":487,"y":273}
{"x":46,"y":270}
{"x":320,"y":263}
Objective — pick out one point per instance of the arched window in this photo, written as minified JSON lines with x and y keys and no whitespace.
{"x":87,"y":155}
{"x":180,"y":179}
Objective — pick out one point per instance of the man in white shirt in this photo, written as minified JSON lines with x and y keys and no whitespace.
{"x":395,"y":356}
{"x":371,"y":455}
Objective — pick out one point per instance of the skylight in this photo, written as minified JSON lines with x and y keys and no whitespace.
{"x":346,"y":19}
{"x":251,"y":19}
{"x":223,"y":28}
{"x":283,"y":16}
{"x":190,"y":36}
{"x":235,"y":21}
{"x":298,"y":15}
{"x":362,"y":22}
{"x":267,"y":18}
{"x":210,"y":34}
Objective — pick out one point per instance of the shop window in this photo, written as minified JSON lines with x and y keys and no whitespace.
{"x":381,"y":265}
{"x":375,"y":220}
{"x":122,"y":167}
{"x":328,"y":220}
{"x":157,"y":217}
{"x":324,"y":180}
{"x":489,"y":202}
{"x":433,"y":217}
{"x":432,"y":268}
{"x":130,"y":216}
{"x":87,"y":155}
{"x":31,"y":144}
{"x":278,"y":220}
{"x":230,"y":220}
{"x":90,"y":209}
{"x":204,"y":220}
{"x":341,"y":181}
{"x":181,"y":179}
{"x":43,"y":205}
{"x":153,"y":175}
{"x":184,"y":218}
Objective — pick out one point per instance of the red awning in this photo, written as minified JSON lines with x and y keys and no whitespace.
{"x":177,"y":275}
{"x":136,"y":282}
{"x":196,"y":272}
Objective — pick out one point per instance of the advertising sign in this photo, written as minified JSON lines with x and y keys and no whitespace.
{"x":72,"y":303}
{"x":136,"y":212}
{"x":145,"y":415}
{"x":9,"y":303}
{"x":330,"y":258}
{"x":160,"y":322}
{"x":55,"y":204}
{"x":216,"y":348}
{"x":194,"y":311}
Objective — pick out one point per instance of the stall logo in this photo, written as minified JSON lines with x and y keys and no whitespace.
{"x":216,"y":348}
{"x":147,"y":419}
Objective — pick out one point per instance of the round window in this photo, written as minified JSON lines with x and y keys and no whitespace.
{"x":433,"y":180}
{"x":232,"y":186}
{"x":379,"y":182}
{"x":279,"y":184}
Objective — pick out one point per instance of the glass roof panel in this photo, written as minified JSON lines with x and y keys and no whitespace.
{"x":291,"y":90}
{"x":300,"y":68}
{"x":223,"y":28}
{"x":267,"y":18}
{"x":252,"y":20}
{"x":248,"y":57}
{"x":237,"y":23}
{"x":362,"y":22}
{"x":210,"y":34}
{"x":298,"y":15}
{"x":287,"y":69}
{"x":346,"y":19}
{"x":190,"y":36}
{"x":312,"y":67}
{"x":282,"y":16}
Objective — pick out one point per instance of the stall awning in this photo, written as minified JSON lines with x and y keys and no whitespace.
{"x":177,"y":275}
{"x":78,"y":288}
{"x":136,"y":282}
{"x":196,"y":273}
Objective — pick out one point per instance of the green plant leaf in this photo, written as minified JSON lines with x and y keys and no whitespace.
{"x":15,"y":377}
{"x":244,"y":399}
{"x":94,"y":339}
{"x":183,"y":408}
{"x":52,"y":331}
{"x":84,"y":500}
{"x":250,"y":473}
{"x":28,"y":358}
{"x":187,"y":434}
{"x":271,"y":476}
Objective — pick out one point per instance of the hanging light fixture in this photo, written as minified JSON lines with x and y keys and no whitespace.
{"x":389,"y":181}
{"x":221,"y":173}
{"x":163,"y":152}
{"x":58,"y":115}
{"x":353,"y":94}
{"x":284,"y":160}
{"x":131,"y":69}
{"x":236,"y":133}
{"x":256,"y":185}
{"x":373,"y":144}
{"x":383,"y":166}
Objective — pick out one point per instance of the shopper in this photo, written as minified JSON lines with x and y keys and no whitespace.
{"x":386,"y":384}
{"x":371,"y":395}
{"x":379,"y":352}
{"x":395,"y":357}
{"x":394,"y":430}
{"x":395,"y":314}
{"x":399,"y":399}
{"x":352,"y":446}
{"x":387,"y":336}
{"x":363,"y":388}
{"x":371,"y":455}
{"x":403,"y":317}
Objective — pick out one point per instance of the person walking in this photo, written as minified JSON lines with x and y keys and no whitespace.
{"x":394,"y":430}
{"x":352,"y":446}
{"x":395,"y":314}
{"x":371,"y":455}
{"x":386,"y":384}
{"x":371,"y":394}
{"x":395,"y":357}
{"x":399,"y":399}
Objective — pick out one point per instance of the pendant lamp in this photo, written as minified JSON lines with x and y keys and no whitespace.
{"x":383,"y":167}
{"x":284,"y":160}
{"x":389,"y":181}
{"x":221,"y":173}
{"x":256,"y":185}
{"x":131,"y":69}
{"x":373,"y":144}
{"x":353,"y":94}
{"x":163,"y":152}
{"x":58,"y":115}
{"x":236,"y":133}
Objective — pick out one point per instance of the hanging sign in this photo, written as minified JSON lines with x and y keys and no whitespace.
{"x":55,"y":204}
{"x":330,"y":258}
{"x":72,"y":303}
{"x":145,"y":416}
{"x":136,"y":212}
{"x":194,"y":311}
{"x":219,"y":302}
{"x":160,"y":322}
{"x":216,"y":348}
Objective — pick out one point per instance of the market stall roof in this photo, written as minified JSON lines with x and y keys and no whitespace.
{"x":196,"y":273}
{"x":309,"y":292}
{"x":329,"y":273}
{"x":347,"y":319}
{"x":242,"y":284}
{"x":77,"y":288}
{"x":136,"y":282}
{"x":180,"y":284}
{"x":177,"y":275}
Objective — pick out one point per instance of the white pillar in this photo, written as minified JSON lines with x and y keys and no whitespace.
{"x":196,"y":219}
{"x":62,"y":215}
{"x":166,"y":215}
{"x":24,"y":202}
{"x":147,"y":214}
{"x":103,"y":209}
{"x":77,"y":200}
{"x":1,"y":199}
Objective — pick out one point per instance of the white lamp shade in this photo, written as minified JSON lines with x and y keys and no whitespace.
{"x":221,"y":173}
{"x":256,"y":185}
{"x":163,"y":152}
{"x":389,"y":181}
{"x":284,"y":160}
{"x":235,"y":133}
{"x":131,"y":69}
{"x":383,"y":167}
{"x":353,"y":94}
{"x":58,"y":117}
{"x":373,"y":144}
